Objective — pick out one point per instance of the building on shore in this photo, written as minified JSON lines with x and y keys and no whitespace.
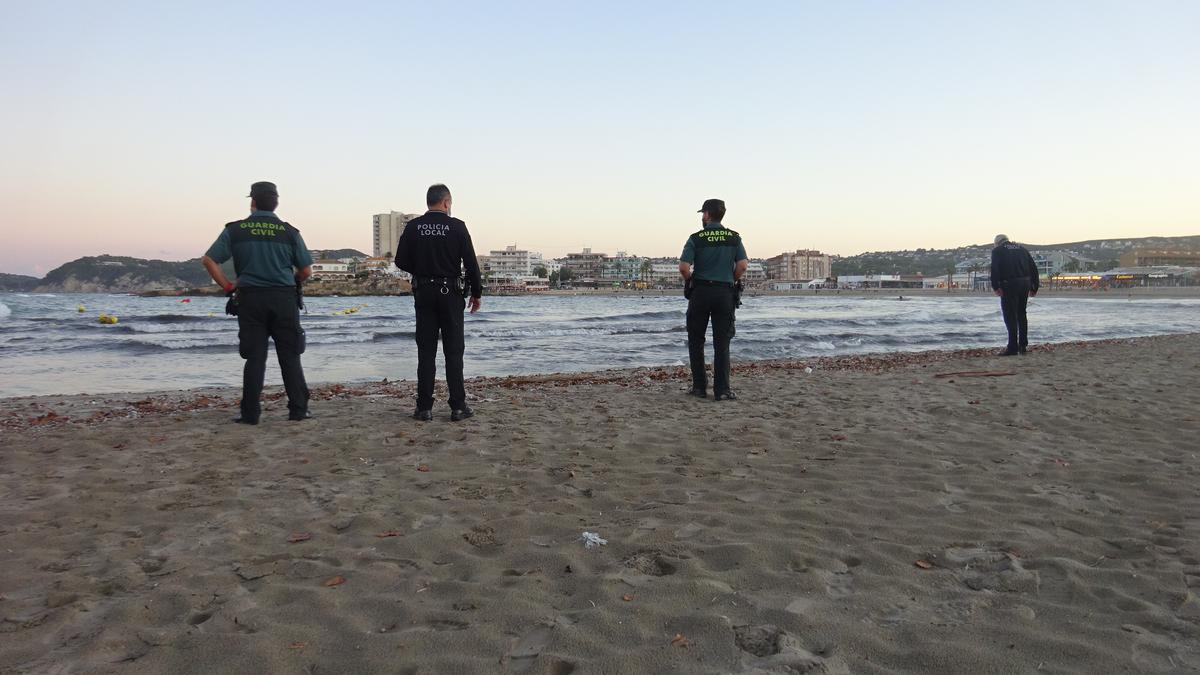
{"x":386,"y":229}
{"x":331,"y":269}
{"x":867,"y":281}
{"x":756,"y":273}
{"x":623,"y":270}
{"x":1159,"y":258}
{"x":381,"y":266}
{"x":586,"y":268}
{"x":1050,"y":263}
{"x":512,"y":262}
{"x":801,"y":265}
{"x":513,"y":270}
{"x":1151,"y":275}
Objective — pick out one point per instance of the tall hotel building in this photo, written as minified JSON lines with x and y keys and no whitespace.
{"x":386,"y":229}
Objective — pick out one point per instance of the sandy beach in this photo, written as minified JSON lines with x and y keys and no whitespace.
{"x":932,"y":512}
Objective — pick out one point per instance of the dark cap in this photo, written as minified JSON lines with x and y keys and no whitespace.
{"x":711,"y":205}
{"x":263,"y":188}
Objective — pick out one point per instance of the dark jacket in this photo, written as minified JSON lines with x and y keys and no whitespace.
{"x":436,"y":245}
{"x":1011,"y":262}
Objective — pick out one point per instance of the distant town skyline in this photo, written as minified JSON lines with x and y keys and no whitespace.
{"x":843,"y":127}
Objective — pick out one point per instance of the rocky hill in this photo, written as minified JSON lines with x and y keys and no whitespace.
{"x":18,"y":282}
{"x":336,"y":253}
{"x":120,"y":274}
{"x":939,"y":261}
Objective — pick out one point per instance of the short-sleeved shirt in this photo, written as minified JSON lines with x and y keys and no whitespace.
{"x":266,"y":251}
{"x":714,"y":252}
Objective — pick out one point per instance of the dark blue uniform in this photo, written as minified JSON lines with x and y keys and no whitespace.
{"x":435,"y":249}
{"x":713,"y":252}
{"x":266,"y":253}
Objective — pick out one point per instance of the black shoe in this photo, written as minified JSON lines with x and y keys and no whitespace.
{"x":698,"y":393}
{"x":423,"y":415}
{"x":244,"y":420}
{"x":725,"y":396}
{"x":460,"y":415}
{"x":1008,"y":352}
{"x":299,"y":417}
{"x":1022,"y":350}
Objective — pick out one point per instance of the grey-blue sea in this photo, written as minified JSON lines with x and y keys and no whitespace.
{"x":48,"y":347}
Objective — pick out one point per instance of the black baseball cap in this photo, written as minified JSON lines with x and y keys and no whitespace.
{"x":711,"y":205}
{"x":263,"y":188}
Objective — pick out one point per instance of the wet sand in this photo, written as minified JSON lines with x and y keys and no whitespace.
{"x":875,"y":515}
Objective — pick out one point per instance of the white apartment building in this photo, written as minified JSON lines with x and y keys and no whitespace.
{"x":513,"y":263}
{"x":664,"y":273}
{"x":386,"y":229}
{"x":756,"y":272}
{"x":330,"y":269}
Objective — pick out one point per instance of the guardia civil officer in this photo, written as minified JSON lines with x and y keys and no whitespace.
{"x":271,"y":261}
{"x":1014,"y":279}
{"x":435,"y":249}
{"x":713,"y":261}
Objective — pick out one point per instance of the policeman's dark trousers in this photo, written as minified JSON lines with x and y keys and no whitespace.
{"x":715,"y":302}
{"x":439,"y":313}
{"x":1012,"y":304}
{"x":270,"y":313}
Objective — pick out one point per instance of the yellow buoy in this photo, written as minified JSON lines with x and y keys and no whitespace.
{"x":81,"y":309}
{"x":108,"y":319}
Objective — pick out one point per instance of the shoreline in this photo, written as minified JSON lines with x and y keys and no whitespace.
{"x":53,"y":410}
{"x":1046,"y":292}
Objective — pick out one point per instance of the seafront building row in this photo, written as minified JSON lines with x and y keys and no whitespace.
{"x":516,"y":270}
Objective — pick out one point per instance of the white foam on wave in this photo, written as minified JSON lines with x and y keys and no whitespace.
{"x":5,"y":312}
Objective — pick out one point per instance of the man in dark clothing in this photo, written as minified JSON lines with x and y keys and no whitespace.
{"x":1014,"y":279}
{"x":712,"y":263}
{"x":435,"y":249}
{"x":271,"y":261}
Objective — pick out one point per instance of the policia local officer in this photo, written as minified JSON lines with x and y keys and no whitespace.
{"x":271,"y":262}
{"x":434,"y":249}
{"x":1014,"y":279}
{"x":713,"y":261}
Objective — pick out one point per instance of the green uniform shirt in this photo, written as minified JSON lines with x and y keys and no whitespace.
{"x":266,"y":251}
{"x":714,"y":252}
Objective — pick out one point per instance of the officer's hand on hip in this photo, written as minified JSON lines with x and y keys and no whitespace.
{"x":474,"y":305}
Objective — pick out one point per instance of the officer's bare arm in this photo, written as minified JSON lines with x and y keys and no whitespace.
{"x":215,"y":271}
{"x":303,"y":274}
{"x":685,"y":270}
{"x":740,"y":269}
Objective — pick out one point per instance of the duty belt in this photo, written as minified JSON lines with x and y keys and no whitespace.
{"x":709,"y":282}
{"x":444,"y":281}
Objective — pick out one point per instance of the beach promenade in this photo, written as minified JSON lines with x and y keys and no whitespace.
{"x":928,"y":512}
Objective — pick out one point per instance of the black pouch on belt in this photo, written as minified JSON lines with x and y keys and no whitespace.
{"x":231,"y":305}
{"x":460,"y":285}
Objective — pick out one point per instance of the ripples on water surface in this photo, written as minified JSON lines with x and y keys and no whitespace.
{"x":46,"y":346}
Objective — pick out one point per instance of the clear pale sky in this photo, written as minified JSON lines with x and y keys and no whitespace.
{"x":135,"y":128}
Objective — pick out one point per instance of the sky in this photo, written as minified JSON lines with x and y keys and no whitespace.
{"x":136,"y":128}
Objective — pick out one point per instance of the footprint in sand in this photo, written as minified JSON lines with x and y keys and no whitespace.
{"x":839,"y":583}
{"x":651,"y":563}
